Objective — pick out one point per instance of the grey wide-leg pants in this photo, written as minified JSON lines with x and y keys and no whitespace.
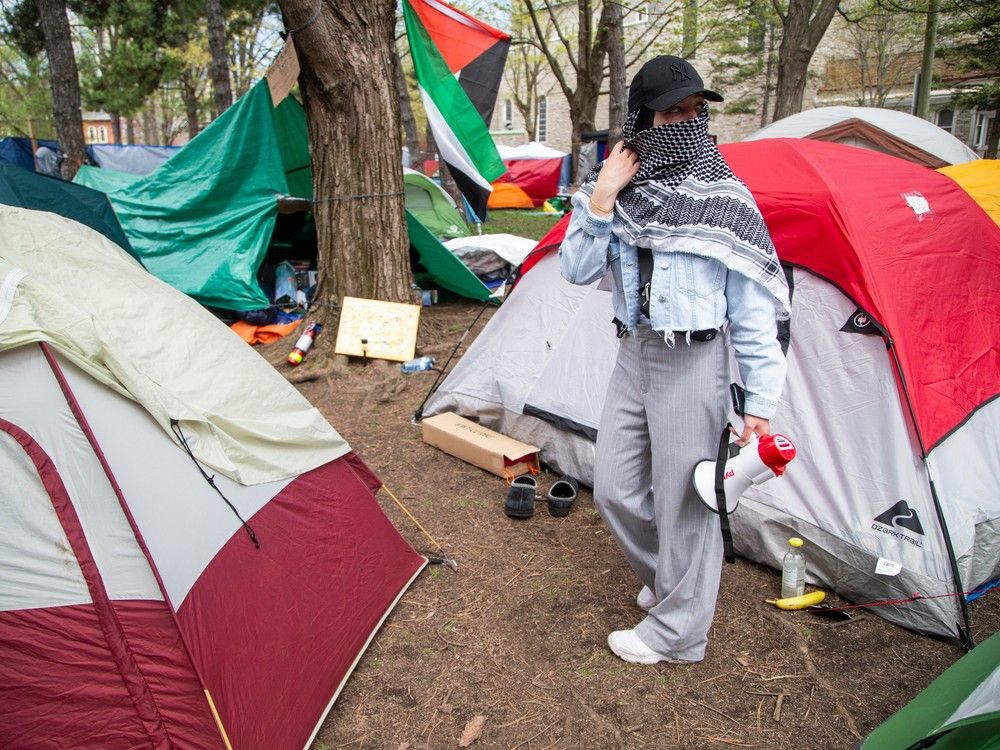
{"x":663,"y":412}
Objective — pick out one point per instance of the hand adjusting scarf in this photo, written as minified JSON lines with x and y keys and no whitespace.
{"x":685,"y":198}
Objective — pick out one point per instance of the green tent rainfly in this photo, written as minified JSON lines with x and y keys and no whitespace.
{"x":960,"y":710}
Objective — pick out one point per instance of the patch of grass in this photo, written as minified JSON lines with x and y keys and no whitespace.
{"x":524,"y":223}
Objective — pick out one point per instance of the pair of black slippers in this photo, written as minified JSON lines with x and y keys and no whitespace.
{"x":520,"y":501}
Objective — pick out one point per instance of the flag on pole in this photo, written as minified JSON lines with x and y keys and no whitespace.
{"x":458,"y":62}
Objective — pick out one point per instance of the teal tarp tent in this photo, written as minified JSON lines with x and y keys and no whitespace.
{"x":960,"y":710}
{"x":203,"y":220}
{"x":19,"y":187}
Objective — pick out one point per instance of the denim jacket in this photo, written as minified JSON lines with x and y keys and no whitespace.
{"x":688,"y":293}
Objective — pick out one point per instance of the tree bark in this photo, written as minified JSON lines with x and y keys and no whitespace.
{"x":616,"y":74}
{"x":348,"y":84}
{"x":189,"y":95}
{"x":65,"y":83}
{"x":689,"y":29}
{"x":149,"y":134}
{"x":993,"y":134}
{"x":220,"y":58}
{"x":922,"y":104}
{"x":804,"y":23}
{"x":406,"y":113}
{"x":768,"y":72}
{"x":116,"y":127}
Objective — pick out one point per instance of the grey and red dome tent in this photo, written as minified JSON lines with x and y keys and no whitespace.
{"x":891,"y":397}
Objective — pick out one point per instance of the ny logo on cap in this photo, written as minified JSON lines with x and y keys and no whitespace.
{"x":679,"y":72}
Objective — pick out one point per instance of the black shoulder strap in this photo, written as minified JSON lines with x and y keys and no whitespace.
{"x":720,"y":495}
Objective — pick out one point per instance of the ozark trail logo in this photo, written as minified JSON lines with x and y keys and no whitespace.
{"x":900,"y":516}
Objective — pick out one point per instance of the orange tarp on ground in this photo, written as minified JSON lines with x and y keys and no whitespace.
{"x":263,"y":334}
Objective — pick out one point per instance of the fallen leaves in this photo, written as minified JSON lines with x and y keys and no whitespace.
{"x":473,"y":731}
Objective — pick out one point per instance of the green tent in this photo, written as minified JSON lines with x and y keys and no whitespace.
{"x":444,"y":269}
{"x":432,"y":206}
{"x":203,"y":220}
{"x":19,"y":187}
{"x":960,"y":710}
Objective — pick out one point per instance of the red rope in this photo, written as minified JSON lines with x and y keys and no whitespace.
{"x":917,"y":596}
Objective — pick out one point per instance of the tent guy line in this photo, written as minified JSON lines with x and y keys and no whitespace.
{"x":179,"y":433}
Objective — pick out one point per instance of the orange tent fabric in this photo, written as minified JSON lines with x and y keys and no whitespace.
{"x":263,"y":334}
{"x":509,"y":195}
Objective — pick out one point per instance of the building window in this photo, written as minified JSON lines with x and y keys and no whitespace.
{"x":103,"y":133}
{"x":981,"y":131}
{"x":541,"y":131}
{"x":636,"y":15}
{"x":508,"y":114}
{"x":91,"y":134}
{"x":945,"y":119}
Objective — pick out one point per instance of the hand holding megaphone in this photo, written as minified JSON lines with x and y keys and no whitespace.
{"x":762,"y":458}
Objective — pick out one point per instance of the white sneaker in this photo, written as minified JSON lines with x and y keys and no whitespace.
{"x":646,"y":599}
{"x":626,"y":645}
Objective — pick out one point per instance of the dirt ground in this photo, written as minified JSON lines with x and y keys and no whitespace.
{"x":517,"y":634}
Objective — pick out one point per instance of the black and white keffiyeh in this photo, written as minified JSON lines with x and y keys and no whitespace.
{"x":685,"y":198}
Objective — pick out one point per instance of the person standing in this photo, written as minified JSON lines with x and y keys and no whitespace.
{"x":693,"y":272}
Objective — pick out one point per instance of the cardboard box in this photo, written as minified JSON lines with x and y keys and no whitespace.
{"x":479,"y":445}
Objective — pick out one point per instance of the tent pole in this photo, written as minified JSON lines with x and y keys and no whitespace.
{"x":964,"y":633}
{"x":512,"y":277}
{"x":419,"y":413}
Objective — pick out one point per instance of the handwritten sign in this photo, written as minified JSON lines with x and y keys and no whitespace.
{"x":283,"y":73}
{"x":378,"y":330}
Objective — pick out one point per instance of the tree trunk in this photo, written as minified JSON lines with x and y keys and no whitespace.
{"x":922,"y":102}
{"x":116,"y":127}
{"x":993,"y":134}
{"x":348,"y":84}
{"x":406,"y":113}
{"x":130,"y":130}
{"x":616,"y":75}
{"x":149,"y":123}
{"x":189,"y":95}
{"x":689,"y":30}
{"x":220,"y":57}
{"x":803,"y":28}
{"x":768,"y":72}
{"x":65,"y":83}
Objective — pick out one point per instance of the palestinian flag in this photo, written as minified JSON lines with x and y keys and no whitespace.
{"x":459,"y":61}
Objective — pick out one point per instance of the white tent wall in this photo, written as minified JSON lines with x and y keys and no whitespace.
{"x":168,"y":497}
{"x":549,"y":350}
{"x":30,"y":397}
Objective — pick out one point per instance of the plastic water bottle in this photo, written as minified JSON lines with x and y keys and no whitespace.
{"x":417,"y":365}
{"x":793,"y":570}
{"x":304,"y":343}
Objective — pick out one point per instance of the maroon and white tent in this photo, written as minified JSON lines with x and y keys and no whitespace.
{"x":152,"y":595}
{"x":891,"y":397}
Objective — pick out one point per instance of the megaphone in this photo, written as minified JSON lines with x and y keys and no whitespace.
{"x":755,"y":463}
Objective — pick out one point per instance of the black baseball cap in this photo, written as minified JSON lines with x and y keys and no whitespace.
{"x":664,"y":81}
